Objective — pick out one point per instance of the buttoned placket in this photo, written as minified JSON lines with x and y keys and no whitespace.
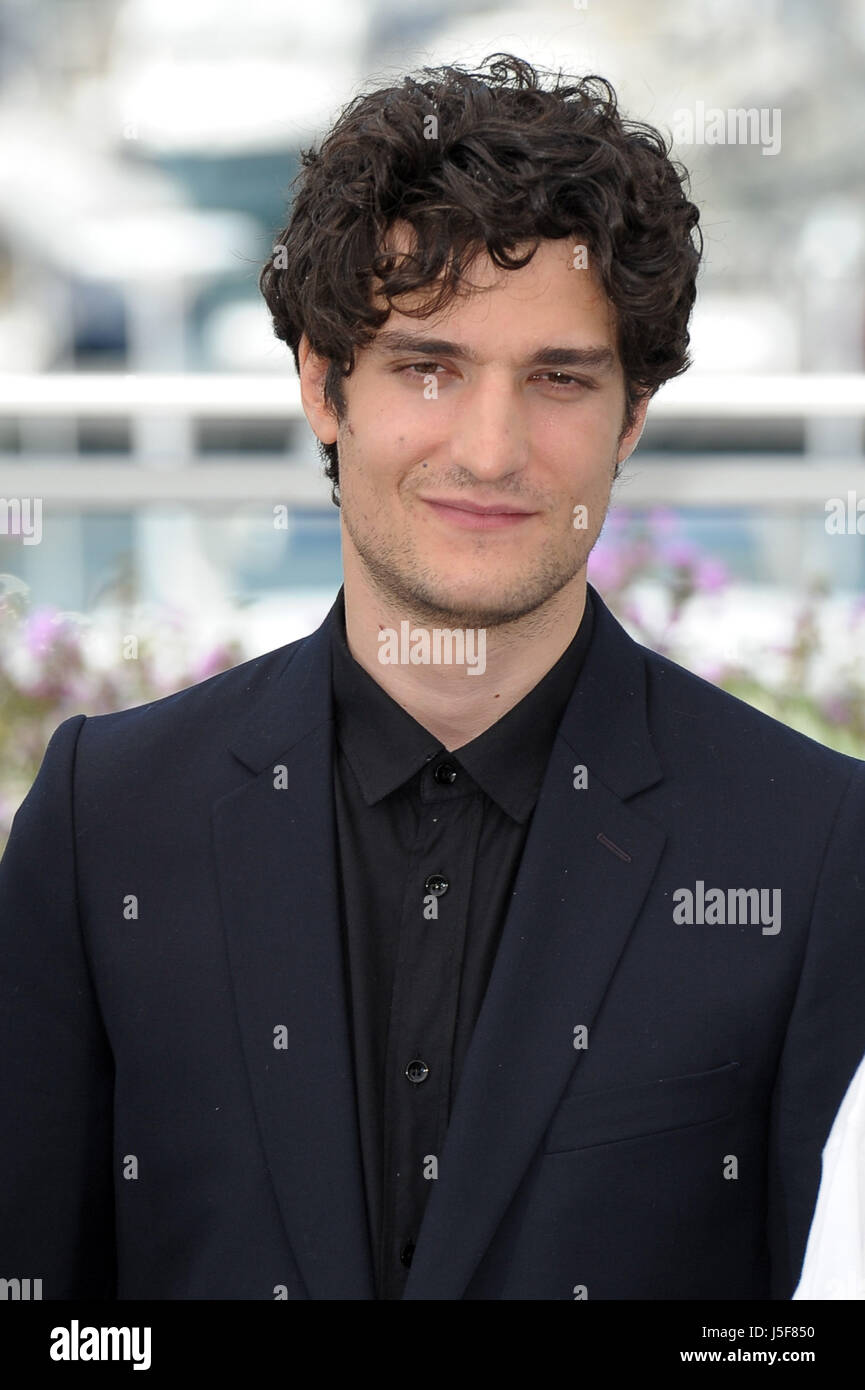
{"x":424,"y":1003}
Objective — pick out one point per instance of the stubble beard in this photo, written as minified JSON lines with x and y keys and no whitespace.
{"x":404,"y":583}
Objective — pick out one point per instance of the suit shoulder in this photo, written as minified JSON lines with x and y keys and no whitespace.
{"x":213,"y":704}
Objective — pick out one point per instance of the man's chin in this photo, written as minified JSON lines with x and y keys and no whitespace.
{"x":469,"y":605}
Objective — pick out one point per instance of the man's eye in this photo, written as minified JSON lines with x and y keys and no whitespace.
{"x":422,"y":368}
{"x":563,"y":380}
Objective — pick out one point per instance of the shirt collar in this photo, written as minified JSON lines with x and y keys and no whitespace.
{"x":386,"y":746}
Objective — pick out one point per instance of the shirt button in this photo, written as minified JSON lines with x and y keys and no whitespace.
{"x":436,"y":884}
{"x":445,"y":772}
{"x":417,"y":1071}
{"x":406,"y":1253}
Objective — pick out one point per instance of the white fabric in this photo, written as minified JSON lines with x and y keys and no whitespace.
{"x":834,"y":1264}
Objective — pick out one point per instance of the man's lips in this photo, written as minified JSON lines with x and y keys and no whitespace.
{"x":475,"y":516}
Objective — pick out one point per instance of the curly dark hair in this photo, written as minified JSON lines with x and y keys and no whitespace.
{"x":483,"y":160}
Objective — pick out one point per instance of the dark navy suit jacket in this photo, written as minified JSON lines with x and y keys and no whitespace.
{"x":176,"y":1086}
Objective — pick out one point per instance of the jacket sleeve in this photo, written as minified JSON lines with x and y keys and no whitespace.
{"x":56,"y":1067}
{"x":824,"y":1042}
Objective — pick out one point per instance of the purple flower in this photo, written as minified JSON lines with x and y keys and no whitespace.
{"x":664,"y":521}
{"x":711,"y":575}
{"x":836,"y":709}
{"x":219,"y":658}
{"x":616,"y":522}
{"x":714,"y":671}
{"x":40,"y":629}
{"x":679,"y":553}
{"x":606,"y":567}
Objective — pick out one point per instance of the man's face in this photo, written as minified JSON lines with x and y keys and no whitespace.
{"x":512,"y":398}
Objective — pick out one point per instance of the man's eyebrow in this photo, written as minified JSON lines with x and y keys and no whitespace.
{"x":392,"y":341}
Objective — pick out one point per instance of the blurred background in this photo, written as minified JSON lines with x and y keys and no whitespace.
{"x":163,"y":513}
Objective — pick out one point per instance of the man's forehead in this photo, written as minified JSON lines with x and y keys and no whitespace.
{"x":553,"y":299}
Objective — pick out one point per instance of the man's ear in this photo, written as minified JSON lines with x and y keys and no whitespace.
{"x":631,"y":437}
{"x":312,"y":370}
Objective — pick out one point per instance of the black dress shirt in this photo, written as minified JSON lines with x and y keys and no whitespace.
{"x":430,"y":842}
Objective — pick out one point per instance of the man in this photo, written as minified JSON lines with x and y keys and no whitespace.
{"x":464,"y":949}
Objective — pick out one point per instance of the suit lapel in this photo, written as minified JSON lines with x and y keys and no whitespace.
{"x":587,"y":866}
{"x":277,"y":865}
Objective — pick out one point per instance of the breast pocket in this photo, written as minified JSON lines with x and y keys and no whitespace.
{"x":586,"y":1118}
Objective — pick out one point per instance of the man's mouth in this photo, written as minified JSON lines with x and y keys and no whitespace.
{"x":477,"y":516}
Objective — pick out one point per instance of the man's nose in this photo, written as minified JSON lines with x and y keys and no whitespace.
{"x":490,"y":435}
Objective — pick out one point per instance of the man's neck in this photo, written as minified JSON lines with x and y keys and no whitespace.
{"x":454,"y":705}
